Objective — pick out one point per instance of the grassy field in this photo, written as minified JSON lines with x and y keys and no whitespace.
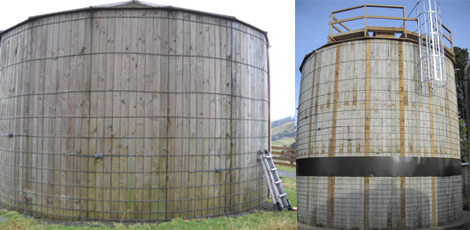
{"x":286,"y":141}
{"x":258,"y":220}
{"x":285,"y":168}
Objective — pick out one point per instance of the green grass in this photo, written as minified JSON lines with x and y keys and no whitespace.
{"x":286,"y":141}
{"x":286,"y":168}
{"x":257,"y":220}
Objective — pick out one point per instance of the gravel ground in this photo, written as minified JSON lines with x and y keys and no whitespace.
{"x":286,"y":174}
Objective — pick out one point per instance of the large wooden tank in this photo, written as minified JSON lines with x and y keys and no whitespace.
{"x":132,"y":112}
{"x":375,"y":148}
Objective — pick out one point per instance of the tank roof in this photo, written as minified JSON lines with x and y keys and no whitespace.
{"x":133,"y":4}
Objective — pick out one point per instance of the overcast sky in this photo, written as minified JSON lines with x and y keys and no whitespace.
{"x":275,"y":17}
{"x":312,"y":18}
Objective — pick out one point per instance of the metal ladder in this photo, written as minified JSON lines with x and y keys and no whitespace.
{"x":274,"y":183}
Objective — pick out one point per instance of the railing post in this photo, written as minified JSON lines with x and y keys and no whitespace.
{"x":365,"y":21}
{"x":451,"y":43}
{"x":331,"y":25}
{"x":404,"y":21}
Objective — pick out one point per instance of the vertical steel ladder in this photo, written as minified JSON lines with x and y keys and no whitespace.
{"x":274,"y":183}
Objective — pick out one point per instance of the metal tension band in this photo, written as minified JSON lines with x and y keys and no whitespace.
{"x":378,"y":166}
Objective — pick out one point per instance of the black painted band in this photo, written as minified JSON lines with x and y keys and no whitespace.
{"x":378,"y":166}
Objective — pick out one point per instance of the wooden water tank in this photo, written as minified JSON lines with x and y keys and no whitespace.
{"x":132,"y":112}
{"x":375,"y":150}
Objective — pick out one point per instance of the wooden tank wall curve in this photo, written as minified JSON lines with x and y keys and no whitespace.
{"x":139,"y":114}
{"x":362,"y":99}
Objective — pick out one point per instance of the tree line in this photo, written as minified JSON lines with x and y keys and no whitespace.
{"x":461,"y":60}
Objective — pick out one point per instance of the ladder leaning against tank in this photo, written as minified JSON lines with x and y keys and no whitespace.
{"x":274,"y":183}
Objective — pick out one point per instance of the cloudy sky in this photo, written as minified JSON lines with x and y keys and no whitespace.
{"x":275,"y":17}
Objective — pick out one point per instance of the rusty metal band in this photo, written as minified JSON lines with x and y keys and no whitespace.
{"x":378,"y":166}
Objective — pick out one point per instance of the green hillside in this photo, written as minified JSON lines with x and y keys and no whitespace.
{"x":287,"y":128}
{"x":276,"y":123}
{"x":283,"y":135}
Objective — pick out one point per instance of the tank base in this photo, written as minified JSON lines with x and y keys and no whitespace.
{"x":463,"y":220}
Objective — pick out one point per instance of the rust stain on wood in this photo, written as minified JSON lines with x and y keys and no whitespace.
{"x":331,"y":152}
{"x":355,"y":93}
{"x":366,"y":202}
{"x":402,"y":99}
{"x":367,"y":102}
{"x":331,"y":201}
{"x":402,"y":202}
{"x":434,"y":209}
{"x":431,"y":124}
{"x":328,"y":99}
{"x":311,"y":109}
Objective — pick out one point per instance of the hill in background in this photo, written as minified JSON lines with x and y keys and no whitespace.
{"x":283,"y":132}
{"x":276,"y":123}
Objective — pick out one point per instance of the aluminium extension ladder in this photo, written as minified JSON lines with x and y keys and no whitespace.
{"x":274,"y":183}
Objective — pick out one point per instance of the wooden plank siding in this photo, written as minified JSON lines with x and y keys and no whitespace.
{"x":362,"y":98}
{"x":142,"y":114}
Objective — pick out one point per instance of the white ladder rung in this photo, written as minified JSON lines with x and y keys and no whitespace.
{"x":277,"y":182}
{"x":273,"y":169}
{"x":267,"y":157}
{"x":284,"y":194}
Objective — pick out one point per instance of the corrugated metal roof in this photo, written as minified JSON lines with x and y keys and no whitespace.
{"x":130,"y":5}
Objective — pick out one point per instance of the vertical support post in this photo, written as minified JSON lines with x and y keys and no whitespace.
{"x":451,"y":43}
{"x":365,"y":21}
{"x":404,"y":21}
{"x":331,"y":25}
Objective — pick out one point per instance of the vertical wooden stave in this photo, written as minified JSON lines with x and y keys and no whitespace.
{"x":158,"y":160}
{"x":50,"y":113}
{"x":67,"y":129}
{"x":148,"y":121}
{"x":172,"y":174}
{"x":140,"y":103}
{"x":186,"y":104}
{"x":164,"y":107}
{"x":108,"y":77}
{"x":193,"y":121}
{"x":117,"y":119}
{"x":124,"y":115}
